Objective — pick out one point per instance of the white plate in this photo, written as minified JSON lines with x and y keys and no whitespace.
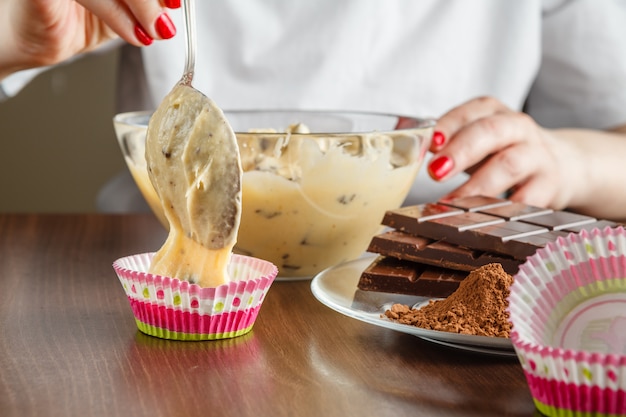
{"x":336,"y":287}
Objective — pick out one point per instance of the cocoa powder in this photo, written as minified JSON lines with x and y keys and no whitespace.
{"x":477,"y":307}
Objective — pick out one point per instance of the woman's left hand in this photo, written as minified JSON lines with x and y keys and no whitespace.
{"x":503,"y":151}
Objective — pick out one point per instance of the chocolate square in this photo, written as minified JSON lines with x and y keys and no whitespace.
{"x":558,"y":220}
{"x":515,"y":211}
{"x":475,"y":203}
{"x":451,"y":227}
{"x":406,"y":217}
{"x":542,"y":239}
{"x":509,"y":230}
{"x":599,"y":224}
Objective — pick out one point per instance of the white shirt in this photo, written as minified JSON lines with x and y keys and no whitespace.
{"x":412,"y":57}
{"x":418,"y":57}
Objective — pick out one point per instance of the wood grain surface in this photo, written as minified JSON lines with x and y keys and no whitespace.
{"x":69,"y":345}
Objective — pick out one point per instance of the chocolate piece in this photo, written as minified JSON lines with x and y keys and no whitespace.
{"x":471,"y":229}
{"x":475,"y":203}
{"x":393,"y":275}
{"x":560,"y":220}
{"x":406,"y":217}
{"x":405,"y":246}
{"x":445,"y":227}
{"x":505,"y":238}
{"x":599,"y":224}
{"x":515,"y":211}
{"x":542,"y":239}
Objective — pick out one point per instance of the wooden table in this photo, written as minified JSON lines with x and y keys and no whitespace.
{"x":69,"y":345}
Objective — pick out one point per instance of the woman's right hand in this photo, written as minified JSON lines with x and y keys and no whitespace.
{"x":45,"y":32}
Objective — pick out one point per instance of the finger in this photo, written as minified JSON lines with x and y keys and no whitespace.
{"x":137,"y":22}
{"x":504,"y":170}
{"x":480,"y":139}
{"x":454,"y":120}
{"x":171,"y":4}
{"x":153,"y":18}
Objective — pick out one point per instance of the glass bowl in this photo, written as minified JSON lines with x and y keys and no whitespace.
{"x":316,"y":184}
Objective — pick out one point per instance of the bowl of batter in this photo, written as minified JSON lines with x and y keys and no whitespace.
{"x":316,"y":184}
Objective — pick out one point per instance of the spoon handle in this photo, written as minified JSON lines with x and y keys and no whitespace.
{"x":190,"y":40}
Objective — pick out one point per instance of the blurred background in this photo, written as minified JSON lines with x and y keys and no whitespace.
{"x":57,"y":138}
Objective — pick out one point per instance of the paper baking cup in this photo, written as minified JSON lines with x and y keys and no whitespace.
{"x":173,"y":309}
{"x":568,"y":310}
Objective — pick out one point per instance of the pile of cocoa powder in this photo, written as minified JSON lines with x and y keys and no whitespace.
{"x":477,"y":307}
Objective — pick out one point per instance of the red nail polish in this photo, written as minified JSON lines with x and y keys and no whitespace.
{"x":143,"y":37}
{"x":164,"y":26}
{"x":172,"y":4}
{"x":440,"y":167}
{"x":438,"y":138}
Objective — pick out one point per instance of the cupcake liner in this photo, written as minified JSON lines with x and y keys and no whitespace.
{"x":568,"y":310}
{"x":169,"y":308}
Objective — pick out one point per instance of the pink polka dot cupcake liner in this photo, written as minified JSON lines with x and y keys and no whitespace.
{"x":568,"y":310}
{"x":169,"y":308}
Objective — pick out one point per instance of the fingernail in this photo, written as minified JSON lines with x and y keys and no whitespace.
{"x":143,"y":37}
{"x":440,"y":167}
{"x":164,"y":26}
{"x":438,"y":138}
{"x":172,"y":4}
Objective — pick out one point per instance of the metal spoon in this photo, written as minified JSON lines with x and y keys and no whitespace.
{"x":189,"y":13}
{"x":193,"y":159}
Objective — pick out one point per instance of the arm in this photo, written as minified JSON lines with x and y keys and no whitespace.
{"x":601,"y":165}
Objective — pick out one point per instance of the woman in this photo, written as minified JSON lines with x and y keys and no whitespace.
{"x":536,"y":89}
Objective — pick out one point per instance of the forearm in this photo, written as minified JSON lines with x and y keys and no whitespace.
{"x":594,"y":171}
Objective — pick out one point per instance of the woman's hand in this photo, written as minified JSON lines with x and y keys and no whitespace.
{"x":45,"y":32}
{"x":507,"y":151}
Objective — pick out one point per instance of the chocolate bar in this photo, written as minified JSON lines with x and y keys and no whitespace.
{"x":400,"y":245}
{"x":490,"y":224}
{"x":391,"y":275}
{"x":454,"y":236}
